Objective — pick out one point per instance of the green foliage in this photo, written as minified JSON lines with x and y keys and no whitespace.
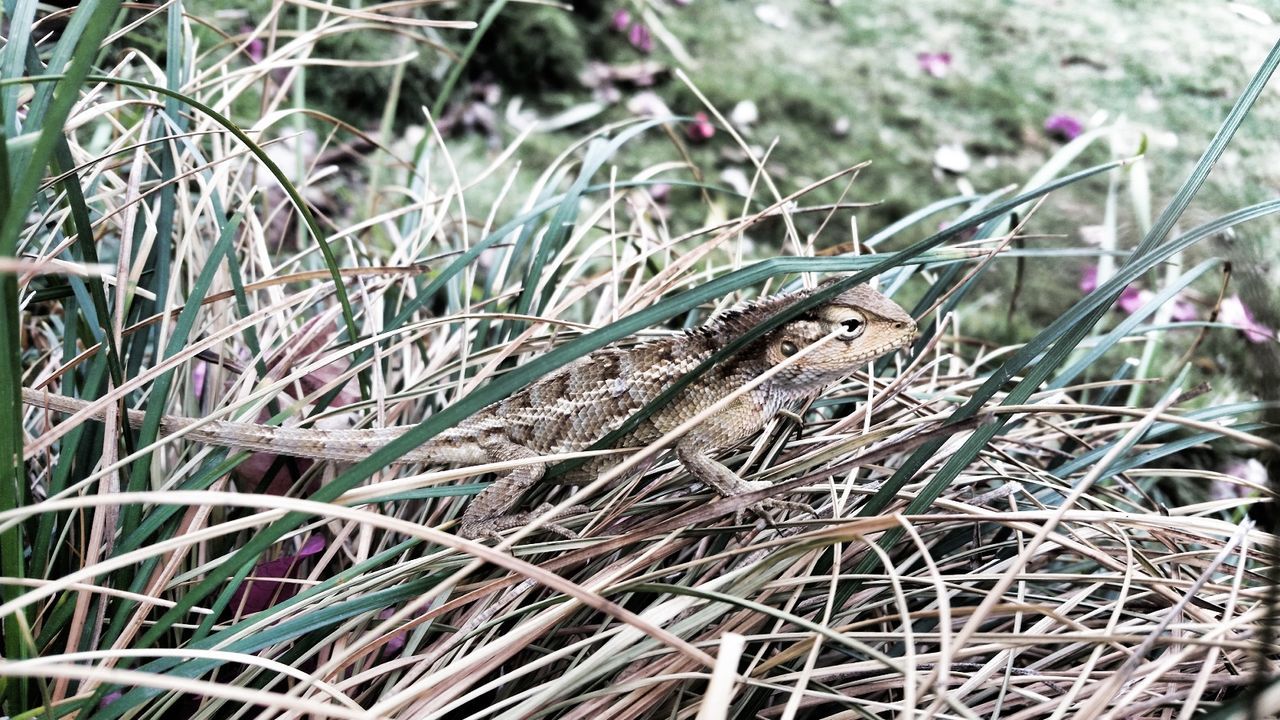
{"x":533,"y":49}
{"x":358,"y":93}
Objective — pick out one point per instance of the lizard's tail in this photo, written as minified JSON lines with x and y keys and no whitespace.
{"x":316,"y":444}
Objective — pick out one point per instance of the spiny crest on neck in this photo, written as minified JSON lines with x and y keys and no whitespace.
{"x":744,"y":316}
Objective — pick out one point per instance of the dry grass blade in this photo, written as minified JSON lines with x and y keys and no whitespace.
{"x":1089,"y":561}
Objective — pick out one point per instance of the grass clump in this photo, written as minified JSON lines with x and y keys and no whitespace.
{"x":1003,"y":529}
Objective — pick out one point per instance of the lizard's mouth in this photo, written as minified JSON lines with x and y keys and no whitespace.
{"x":886,"y":348}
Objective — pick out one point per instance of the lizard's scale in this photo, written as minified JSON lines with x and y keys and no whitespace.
{"x":343,"y":445}
{"x":573,"y":407}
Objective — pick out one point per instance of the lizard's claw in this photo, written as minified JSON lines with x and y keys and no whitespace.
{"x":761,"y":509}
{"x":491,"y":529}
{"x":553,"y":526}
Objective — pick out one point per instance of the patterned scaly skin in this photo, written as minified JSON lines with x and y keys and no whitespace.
{"x":573,"y":407}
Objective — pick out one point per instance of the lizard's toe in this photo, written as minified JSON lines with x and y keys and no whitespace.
{"x":492,"y":527}
{"x":553,"y":526}
{"x":763,"y":509}
{"x":797,"y":507}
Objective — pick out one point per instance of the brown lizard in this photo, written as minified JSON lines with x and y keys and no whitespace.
{"x":571,"y":408}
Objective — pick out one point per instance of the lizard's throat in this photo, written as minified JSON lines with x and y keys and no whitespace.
{"x":779,"y":396}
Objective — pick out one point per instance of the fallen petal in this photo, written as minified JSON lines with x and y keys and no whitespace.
{"x":1132,"y":299}
{"x":952,"y":158}
{"x":1183,"y":310}
{"x":934,"y":64}
{"x":772,"y":16}
{"x":701,"y":128}
{"x":1063,"y":126}
{"x":648,"y":104}
{"x":736,"y":179}
{"x":621,"y":20}
{"x":744,"y":114}
{"x":1235,"y":312}
{"x":640,"y":38}
{"x":1089,"y":279}
{"x":261,"y":592}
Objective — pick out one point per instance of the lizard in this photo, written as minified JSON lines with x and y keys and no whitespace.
{"x":571,"y":408}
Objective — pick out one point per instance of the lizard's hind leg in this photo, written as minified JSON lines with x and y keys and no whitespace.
{"x":490,"y":511}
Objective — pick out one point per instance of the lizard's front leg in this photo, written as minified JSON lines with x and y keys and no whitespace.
{"x":490,"y":511}
{"x":691,"y":452}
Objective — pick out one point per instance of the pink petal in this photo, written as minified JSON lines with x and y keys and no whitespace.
{"x":262,"y":593}
{"x":640,"y":38}
{"x":313,"y":545}
{"x":1250,"y":471}
{"x":199,"y":375}
{"x":256,"y":49}
{"x":621,"y":20}
{"x":1259,"y":334}
{"x":1063,"y":126}
{"x":1089,"y":279}
{"x":1132,"y":299}
{"x":1183,"y":310}
{"x":648,"y":104}
{"x":1235,"y":312}
{"x":701,"y":128}
{"x":396,"y":641}
{"x":935,"y":64}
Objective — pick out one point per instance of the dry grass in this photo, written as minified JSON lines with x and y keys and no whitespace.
{"x":1075,"y":567}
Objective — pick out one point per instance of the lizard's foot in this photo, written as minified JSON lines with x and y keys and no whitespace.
{"x":489,"y":528}
{"x":552,"y":525}
{"x":761,"y":509}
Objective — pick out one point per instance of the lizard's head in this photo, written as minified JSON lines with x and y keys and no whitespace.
{"x":865,"y":325}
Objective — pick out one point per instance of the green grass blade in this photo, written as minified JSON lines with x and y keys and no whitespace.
{"x":155,"y":277}
{"x":26,"y":179}
{"x":455,"y":72}
{"x":20,"y":16}
{"x":1160,"y":429}
{"x":22,"y":180}
{"x":561,"y":223}
{"x":912,"y":218}
{"x":12,"y":478}
{"x":150,"y":430}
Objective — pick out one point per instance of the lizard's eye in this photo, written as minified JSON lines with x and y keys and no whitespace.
{"x":851,"y":328}
{"x":788,"y":348}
